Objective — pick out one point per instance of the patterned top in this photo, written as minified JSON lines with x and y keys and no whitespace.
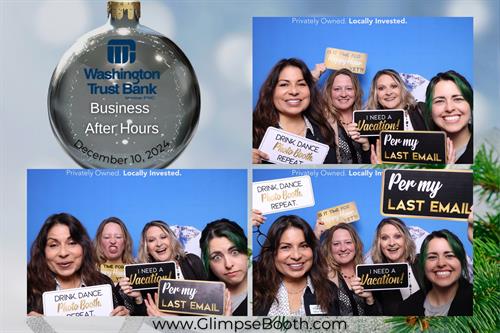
{"x":280,"y":306}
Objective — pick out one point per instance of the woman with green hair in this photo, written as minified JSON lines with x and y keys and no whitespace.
{"x":449,"y":104}
{"x":224,"y":252}
{"x":446,"y":288}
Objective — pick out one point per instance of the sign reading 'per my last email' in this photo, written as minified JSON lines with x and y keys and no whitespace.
{"x":287,"y":148}
{"x":279,"y":195}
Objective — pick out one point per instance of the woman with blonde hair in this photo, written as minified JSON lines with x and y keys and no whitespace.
{"x":343,"y":251}
{"x":393,"y":244}
{"x":342,"y":94}
{"x":158,"y":244}
{"x":113,"y":246}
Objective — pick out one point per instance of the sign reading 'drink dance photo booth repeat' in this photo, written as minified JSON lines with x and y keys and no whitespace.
{"x":338,"y":59}
{"x":427,"y":193}
{"x":371,"y":122}
{"x":279,"y":195}
{"x":383,"y":276}
{"x":413,"y":147}
{"x":147,"y":276}
{"x":79,"y":302}
{"x":345,"y":213}
{"x":287,"y":148}
{"x":191,"y":297}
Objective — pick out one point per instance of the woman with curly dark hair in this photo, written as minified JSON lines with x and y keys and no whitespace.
{"x":289,"y":100}
{"x":290,"y":273}
{"x":62,"y":258}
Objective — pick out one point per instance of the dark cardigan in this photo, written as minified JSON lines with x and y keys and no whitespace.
{"x":460,"y":306}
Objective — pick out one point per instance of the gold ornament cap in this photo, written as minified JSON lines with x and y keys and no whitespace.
{"x":129,"y":8}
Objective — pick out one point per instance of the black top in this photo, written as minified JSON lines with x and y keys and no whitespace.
{"x":460,"y":306}
{"x":391,"y":300}
{"x":350,"y":151}
{"x":191,"y":268}
{"x":241,"y":310}
{"x":309,"y":300}
{"x":467,"y":157}
{"x":351,"y":304}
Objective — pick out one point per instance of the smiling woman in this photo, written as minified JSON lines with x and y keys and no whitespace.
{"x":158,"y":244}
{"x":446,"y":291}
{"x":289,"y":275}
{"x":289,"y":100}
{"x":449,"y":100}
{"x":62,"y":258}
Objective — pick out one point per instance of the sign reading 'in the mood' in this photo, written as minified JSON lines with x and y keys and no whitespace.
{"x":79,"y":302}
{"x":279,"y":195}
{"x":147,"y":276}
{"x":371,"y":122}
{"x":413,"y":147}
{"x":287,"y":148}
{"x":338,"y":59}
{"x":191,"y":297}
{"x":427,"y":193}
{"x":345,"y":213}
{"x":383,"y":276}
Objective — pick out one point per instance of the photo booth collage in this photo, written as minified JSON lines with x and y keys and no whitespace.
{"x":293,"y":234}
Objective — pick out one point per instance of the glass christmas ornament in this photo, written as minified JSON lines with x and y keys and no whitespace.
{"x":124,"y":96}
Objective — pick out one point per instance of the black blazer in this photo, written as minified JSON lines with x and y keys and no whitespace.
{"x":241,"y":310}
{"x":309,"y":301}
{"x":460,"y":306}
{"x":467,"y":157}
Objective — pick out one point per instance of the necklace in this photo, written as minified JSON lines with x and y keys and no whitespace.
{"x":295,"y":292}
{"x":347,"y":277}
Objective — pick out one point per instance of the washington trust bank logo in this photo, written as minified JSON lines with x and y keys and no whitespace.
{"x":121,"y":51}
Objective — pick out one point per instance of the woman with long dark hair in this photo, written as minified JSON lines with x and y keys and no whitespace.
{"x":289,"y":100}
{"x":289,"y":275}
{"x":62,"y":257}
{"x":224,"y":252}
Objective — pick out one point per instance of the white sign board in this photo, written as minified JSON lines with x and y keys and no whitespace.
{"x":279,"y":195}
{"x":287,"y":148}
{"x":79,"y":302}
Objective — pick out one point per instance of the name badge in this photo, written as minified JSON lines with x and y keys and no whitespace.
{"x":315,"y":309}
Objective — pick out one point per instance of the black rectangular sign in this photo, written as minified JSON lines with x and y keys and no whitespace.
{"x":146,"y":276}
{"x":371,"y":122}
{"x":420,"y":147}
{"x":191,"y":297}
{"x":427,"y":193}
{"x":383,"y":276}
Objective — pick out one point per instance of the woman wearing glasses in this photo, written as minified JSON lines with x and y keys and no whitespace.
{"x":289,"y":275}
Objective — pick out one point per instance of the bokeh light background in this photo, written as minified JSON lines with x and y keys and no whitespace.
{"x":216,"y":37}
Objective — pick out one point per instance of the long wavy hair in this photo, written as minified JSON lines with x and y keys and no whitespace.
{"x":407,"y":99}
{"x":265,"y":113}
{"x":266,"y":278}
{"x":221,"y":228}
{"x":327,"y":91}
{"x":409,"y":250}
{"x":462,"y":84}
{"x":41,"y":278}
{"x":177,"y":249}
{"x":455,"y":244}
{"x":127,"y":257}
{"x":326,"y":246}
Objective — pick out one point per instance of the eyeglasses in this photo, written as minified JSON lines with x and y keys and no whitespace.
{"x":261,"y":237}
